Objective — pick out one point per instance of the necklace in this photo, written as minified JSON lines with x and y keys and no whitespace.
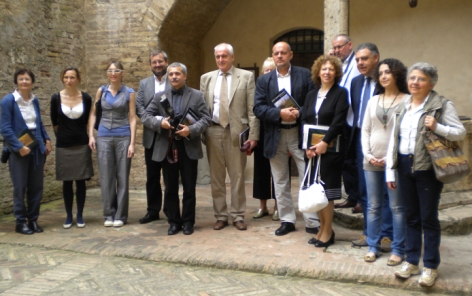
{"x":385,"y":115}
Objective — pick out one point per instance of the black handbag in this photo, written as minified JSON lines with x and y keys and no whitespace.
{"x":5,"y":155}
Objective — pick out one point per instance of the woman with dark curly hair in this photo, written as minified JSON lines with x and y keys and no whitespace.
{"x":327,"y":105}
{"x":390,"y":77}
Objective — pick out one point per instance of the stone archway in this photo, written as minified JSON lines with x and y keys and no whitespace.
{"x":182,"y":30}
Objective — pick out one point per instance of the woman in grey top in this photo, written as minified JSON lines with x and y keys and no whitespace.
{"x":115,"y":143}
{"x":407,"y":154}
{"x":390,"y":76}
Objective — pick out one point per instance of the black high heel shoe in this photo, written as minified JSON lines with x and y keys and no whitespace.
{"x":312,"y":241}
{"x":320,"y":244}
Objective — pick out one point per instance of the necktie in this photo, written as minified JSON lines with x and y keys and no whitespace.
{"x":224,"y":105}
{"x":365,"y":100}
{"x":178,"y":91}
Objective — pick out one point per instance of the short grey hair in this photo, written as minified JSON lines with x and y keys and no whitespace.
{"x":177,"y":65}
{"x":228,"y":46}
{"x":154,"y":53}
{"x":428,"y":70}
{"x":370,"y":46}
{"x":343,"y":36}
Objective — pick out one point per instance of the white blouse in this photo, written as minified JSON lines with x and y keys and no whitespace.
{"x":74,"y":112}
{"x":26,"y":109}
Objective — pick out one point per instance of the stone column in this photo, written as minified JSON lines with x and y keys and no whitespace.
{"x":336,"y":20}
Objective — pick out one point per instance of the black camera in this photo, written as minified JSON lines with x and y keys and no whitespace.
{"x":174,"y":119}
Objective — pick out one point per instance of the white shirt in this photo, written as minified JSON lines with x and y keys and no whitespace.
{"x":409,"y":128}
{"x":26,"y":109}
{"x":74,"y":112}
{"x":283,"y":82}
{"x":217,"y":91}
{"x":372,"y":89}
{"x":350,"y":71}
{"x":160,"y":85}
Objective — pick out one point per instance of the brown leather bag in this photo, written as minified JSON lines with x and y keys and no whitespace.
{"x":449,"y":163}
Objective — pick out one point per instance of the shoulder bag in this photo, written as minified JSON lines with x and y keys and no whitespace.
{"x":312,"y":198}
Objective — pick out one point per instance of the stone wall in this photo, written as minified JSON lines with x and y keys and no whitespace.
{"x":43,"y":36}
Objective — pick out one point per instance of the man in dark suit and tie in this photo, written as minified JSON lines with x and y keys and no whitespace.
{"x":282,"y":131}
{"x":229,"y":94}
{"x":342,"y":47}
{"x":362,"y":89}
{"x":155,"y":83}
{"x":177,"y":146}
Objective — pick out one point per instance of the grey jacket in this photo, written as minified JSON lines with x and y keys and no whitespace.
{"x":449,"y":126}
{"x":145,"y":94}
{"x":154,"y":114}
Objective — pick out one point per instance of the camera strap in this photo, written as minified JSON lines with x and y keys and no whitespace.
{"x":172,"y":154}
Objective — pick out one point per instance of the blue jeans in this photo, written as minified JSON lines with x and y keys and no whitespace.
{"x":378,"y":196}
{"x":421,"y":192}
{"x":386,"y":213}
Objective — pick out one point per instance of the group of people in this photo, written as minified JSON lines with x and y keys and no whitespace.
{"x":377,"y":108}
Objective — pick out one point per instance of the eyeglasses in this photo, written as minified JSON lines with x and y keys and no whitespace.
{"x":339,"y":46}
{"x":116,"y":71}
{"x":417,"y":79}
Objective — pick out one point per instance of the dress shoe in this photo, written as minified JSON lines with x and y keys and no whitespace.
{"x":174,"y":229}
{"x":320,"y":244}
{"x":285,"y":228}
{"x":312,"y":241}
{"x":275,"y":216}
{"x":23,"y":229}
{"x":312,"y":230}
{"x":261,"y":213}
{"x":188,"y":229}
{"x":33,"y":225}
{"x":220,"y":224}
{"x":357,"y":209}
{"x":148,"y":218}
{"x":240,"y":225}
{"x":344,"y":205}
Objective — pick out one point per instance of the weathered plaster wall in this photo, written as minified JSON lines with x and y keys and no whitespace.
{"x":43,"y":36}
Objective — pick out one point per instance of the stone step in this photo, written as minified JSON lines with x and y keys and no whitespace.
{"x":455,"y":214}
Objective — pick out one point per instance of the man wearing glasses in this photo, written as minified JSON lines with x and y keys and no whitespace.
{"x":342,"y":48}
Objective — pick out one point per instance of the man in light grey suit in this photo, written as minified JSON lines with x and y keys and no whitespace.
{"x":178,"y":146}
{"x":229,"y":95}
{"x":147,"y":88}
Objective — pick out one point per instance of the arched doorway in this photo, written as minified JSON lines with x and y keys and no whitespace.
{"x":307,"y":45}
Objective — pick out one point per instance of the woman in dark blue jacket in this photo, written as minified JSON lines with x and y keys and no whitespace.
{"x":20,"y":115}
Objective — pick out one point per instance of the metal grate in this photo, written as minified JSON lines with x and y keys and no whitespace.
{"x":304,"y":40}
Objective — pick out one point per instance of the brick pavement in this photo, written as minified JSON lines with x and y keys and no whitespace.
{"x":39,"y":271}
{"x":256,"y":250}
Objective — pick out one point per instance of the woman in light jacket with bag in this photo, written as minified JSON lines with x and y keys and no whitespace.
{"x":407,"y":154}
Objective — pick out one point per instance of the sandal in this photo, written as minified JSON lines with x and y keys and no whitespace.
{"x":391,"y":262}
{"x":370,"y":258}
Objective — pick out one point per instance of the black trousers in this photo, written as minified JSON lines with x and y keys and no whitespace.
{"x":153,"y":183}
{"x":187,"y":169}
{"x":349,"y":173}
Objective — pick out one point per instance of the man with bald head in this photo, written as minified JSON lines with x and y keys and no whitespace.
{"x":229,"y":95}
{"x":282,"y":131}
{"x":342,"y":48}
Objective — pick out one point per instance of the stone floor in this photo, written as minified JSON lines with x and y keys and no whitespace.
{"x":256,"y":250}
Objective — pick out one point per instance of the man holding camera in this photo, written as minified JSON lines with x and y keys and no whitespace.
{"x":178,"y":146}
{"x":229,"y":94}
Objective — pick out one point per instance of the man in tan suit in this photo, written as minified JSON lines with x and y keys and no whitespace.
{"x":229,"y":95}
